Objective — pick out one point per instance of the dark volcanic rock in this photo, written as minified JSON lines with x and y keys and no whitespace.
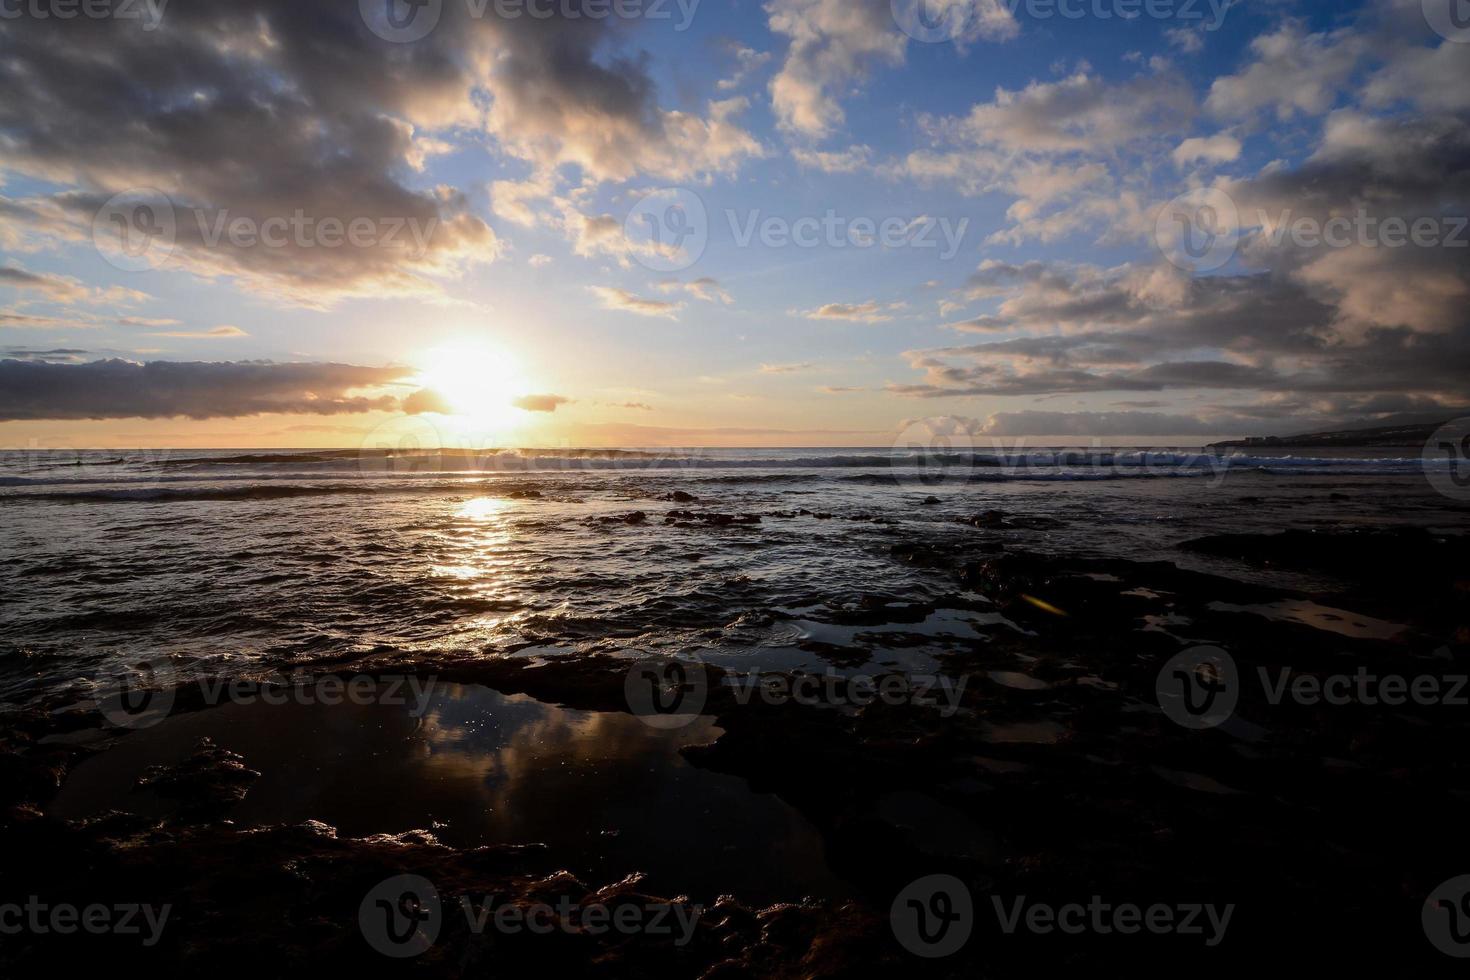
{"x":709,"y":518}
{"x":207,"y":783}
{"x":1004,"y":576}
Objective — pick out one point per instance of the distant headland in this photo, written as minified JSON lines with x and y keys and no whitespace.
{"x":1402,"y":435}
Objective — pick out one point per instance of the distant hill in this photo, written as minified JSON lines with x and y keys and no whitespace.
{"x":1404,"y":434}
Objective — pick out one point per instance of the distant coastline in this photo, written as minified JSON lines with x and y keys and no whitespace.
{"x":1389,"y":437}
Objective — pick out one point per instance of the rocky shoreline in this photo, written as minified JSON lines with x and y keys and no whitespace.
{"x":1060,"y":778}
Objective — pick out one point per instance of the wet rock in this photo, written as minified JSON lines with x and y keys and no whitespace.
{"x":679,"y":497}
{"x":1004,"y":576}
{"x":636,"y":517}
{"x":989,"y":519}
{"x":207,"y":783}
{"x":930,"y":501}
{"x":709,"y":518}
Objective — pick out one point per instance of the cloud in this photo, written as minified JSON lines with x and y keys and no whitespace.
{"x":785,"y":368}
{"x":869,"y":312}
{"x":835,"y":44}
{"x":541,"y":403}
{"x":1187,"y":40}
{"x":58,"y":288}
{"x":214,"y":333}
{"x":1083,"y":329}
{"x":841,"y":389}
{"x":259,"y":110}
{"x":594,"y":235}
{"x":425,"y":401}
{"x":1293,"y":73}
{"x":704,"y":288}
{"x":1082,"y":112}
{"x":1431,"y":79}
{"x":511,"y":198}
{"x":626,"y":302}
{"x":253,"y":110}
{"x":1033,"y":423}
{"x":111,"y":389}
{"x":59,"y":355}
{"x":30,"y":321}
{"x":832,"y":44}
{"x":1054,"y":145}
{"x":539,"y":261}
{"x":747,"y":61}
{"x":556,"y":102}
{"x":1220,"y":148}
{"x":65,"y":289}
{"x":848,"y":161}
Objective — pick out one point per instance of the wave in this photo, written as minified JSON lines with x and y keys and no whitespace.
{"x":437,"y":463}
{"x":255,"y":491}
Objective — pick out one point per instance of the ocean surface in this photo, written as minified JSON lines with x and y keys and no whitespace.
{"x":231,"y":561}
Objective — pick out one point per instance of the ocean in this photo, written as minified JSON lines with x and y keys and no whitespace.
{"x":228,"y":561}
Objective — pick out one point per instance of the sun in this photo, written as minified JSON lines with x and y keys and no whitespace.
{"x":476,"y":382}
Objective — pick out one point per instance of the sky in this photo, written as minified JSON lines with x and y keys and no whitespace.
{"x":483,"y":223}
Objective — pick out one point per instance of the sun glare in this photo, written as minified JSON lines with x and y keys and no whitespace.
{"x":478,"y":383}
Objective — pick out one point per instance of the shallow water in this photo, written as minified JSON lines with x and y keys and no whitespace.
{"x":608,"y":794}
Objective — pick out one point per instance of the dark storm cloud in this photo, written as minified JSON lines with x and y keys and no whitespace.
{"x":1152,"y":329}
{"x":31,"y":389}
{"x":260,"y":109}
{"x":257,"y":110}
{"x":248,"y":109}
